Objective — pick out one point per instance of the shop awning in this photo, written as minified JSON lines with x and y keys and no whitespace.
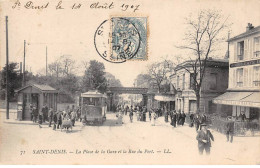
{"x":164,"y":97}
{"x":248,"y":99}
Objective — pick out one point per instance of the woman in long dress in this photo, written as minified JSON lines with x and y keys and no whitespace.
{"x":153,"y":118}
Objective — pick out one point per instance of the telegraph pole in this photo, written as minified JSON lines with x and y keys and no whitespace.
{"x":7,"y":69}
{"x":24,"y":63}
{"x":46,"y":61}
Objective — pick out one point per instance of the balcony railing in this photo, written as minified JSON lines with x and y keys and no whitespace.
{"x":257,"y":53}
{"x":240,"y":57}
{"x":256,"y":83}
{"x":239,"y":84}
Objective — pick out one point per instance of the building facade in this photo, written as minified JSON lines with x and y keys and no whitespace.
{"x":215,"y":83}
{"x":243,"y":93}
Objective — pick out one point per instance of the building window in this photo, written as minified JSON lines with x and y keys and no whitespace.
{"x":178,"y":82}
{"x":256,"y":76}
{"x":240,"y":50}
{"x":183,"y":81}
{"x":213,"y":81}
{"x":239,"y":77}
{"x":257,"y":46}
{"x":192,"y":82}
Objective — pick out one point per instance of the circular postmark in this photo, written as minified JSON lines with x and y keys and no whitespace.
{"x":117,"y":40}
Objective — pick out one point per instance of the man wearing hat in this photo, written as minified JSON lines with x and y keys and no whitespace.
{"x":204,"y":138}
{"x":230,"y":130}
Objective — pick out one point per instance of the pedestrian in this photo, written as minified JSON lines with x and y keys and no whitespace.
{"x":131,"y":114}
{"x":154,"y":117}
{"x":230,"y":130}
{"x":55,"y":120}
{"x":242,"y":116}
{"x":174,"y":118}
{"x":197,"y":122}
{"x":150,"y":115}
{"x":40,"y":119}
{"x":126,"y":109}
{"x":50,"y":116}
{"x":166,"y":114}
{"x":78,"y":114}
{"x":191,"y":120}
{"x":183,"y":116}
{"x":34,"y":114}
{"x":59,"y":118}
{"x":137,"y":114}
{"x":119,"y":118}
{"x":73,"y":117}
{"x":179,"y":118}
{"x":204,"y":138}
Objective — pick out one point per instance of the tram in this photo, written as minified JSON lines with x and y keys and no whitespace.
{"x":93,"y":107}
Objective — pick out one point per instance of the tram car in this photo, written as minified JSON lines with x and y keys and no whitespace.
{"x":93,"y":107}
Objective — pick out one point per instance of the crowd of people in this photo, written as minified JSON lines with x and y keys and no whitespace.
{"x":56,"y":118}
{"x":197,"y":120}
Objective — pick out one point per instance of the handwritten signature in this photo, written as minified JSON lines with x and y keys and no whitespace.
{"x":61,"y":5}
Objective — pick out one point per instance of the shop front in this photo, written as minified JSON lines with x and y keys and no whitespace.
{"x":245,"y":109}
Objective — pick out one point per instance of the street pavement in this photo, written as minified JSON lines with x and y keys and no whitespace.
{"x":23,"y":142}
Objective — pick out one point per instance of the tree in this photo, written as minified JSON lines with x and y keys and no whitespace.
{"x":143,"y":80}
{"x":94,"y":77}
{"x":112,"y":81}
{"x":160,"y":72}
{"x":15,"y":79}
{"x":202,"y":39}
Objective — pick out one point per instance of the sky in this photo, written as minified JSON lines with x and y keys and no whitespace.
{"x":71,"y":32}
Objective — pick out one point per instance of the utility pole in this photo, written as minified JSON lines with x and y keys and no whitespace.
{"x":46,"y":61}
{"x":7,"y":69}
{"x":24,"y":63}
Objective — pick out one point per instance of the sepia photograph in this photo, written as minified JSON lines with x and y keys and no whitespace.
{"x":129,"y":82}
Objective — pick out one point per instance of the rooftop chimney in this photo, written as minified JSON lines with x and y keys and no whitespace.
{"x":249,"y":27}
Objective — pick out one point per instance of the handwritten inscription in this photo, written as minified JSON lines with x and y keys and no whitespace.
{"x":59,"y":5}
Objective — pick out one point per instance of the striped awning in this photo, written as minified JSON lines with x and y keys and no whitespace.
{"x":248,"y":99}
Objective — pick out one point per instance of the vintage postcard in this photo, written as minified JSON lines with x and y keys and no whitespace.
{"x":133,"y":82}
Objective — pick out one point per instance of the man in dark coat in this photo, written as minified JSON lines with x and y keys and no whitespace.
{"x":45,"y":111}
{"x":131,"y":114}
{"x":204,"y":138}
{"x":183,"y":116}
{"x":174,"y":118}
{"x":50,"y":116}
{"x":55,"y":120}
{"x":59,"y":118}
{"x":230,"y":130}
{"x":191,"y":119}
{"x":197,"y":121}
{"x":179,"y":118}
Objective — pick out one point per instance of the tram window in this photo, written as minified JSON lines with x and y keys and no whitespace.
{"x":91,"y":101}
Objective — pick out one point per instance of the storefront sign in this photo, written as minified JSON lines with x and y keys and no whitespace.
{"x":252,"y":62}
{"x":237,"y":103}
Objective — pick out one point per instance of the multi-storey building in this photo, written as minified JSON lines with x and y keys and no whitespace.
{"x":215,"y":83}
{"x":243,"y":93}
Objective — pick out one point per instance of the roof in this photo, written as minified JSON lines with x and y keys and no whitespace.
{"x":215,"y":62}
{"x":93,"y":93}
{"x":42,"y":88}
{"x":245,"y":34}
